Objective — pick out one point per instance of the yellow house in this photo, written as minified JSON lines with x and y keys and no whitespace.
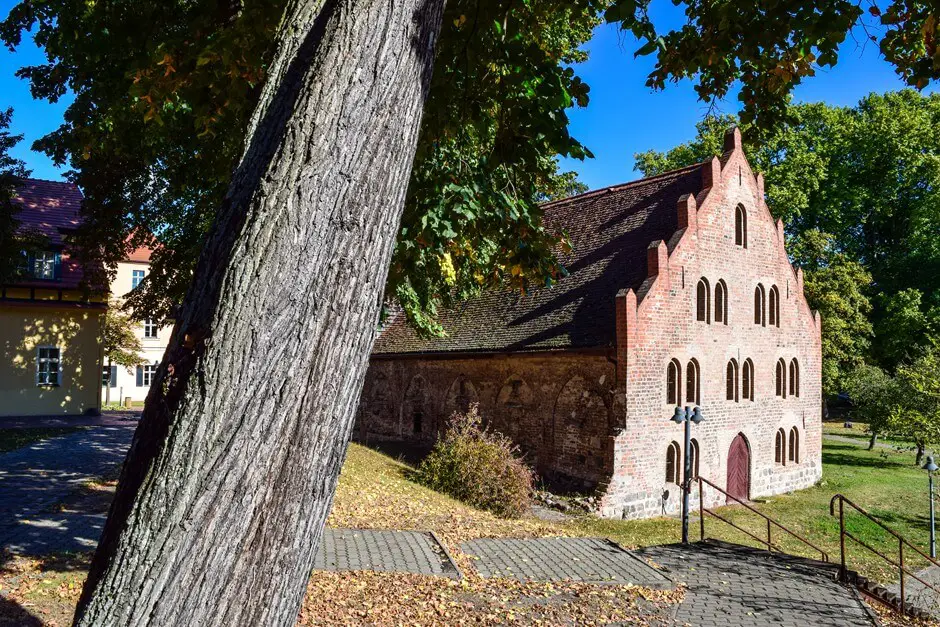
{"x":49,"y":326}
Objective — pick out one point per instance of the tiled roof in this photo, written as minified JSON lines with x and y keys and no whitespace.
{"x":610,"y":230}
{"x":51,"y":208}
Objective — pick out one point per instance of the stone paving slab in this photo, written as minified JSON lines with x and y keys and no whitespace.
{"x":730,"y":586}
{"x":589,"y":560}
{"x":35,"y":478}
{"x":918,"y":594}
{"x":384,"y":551}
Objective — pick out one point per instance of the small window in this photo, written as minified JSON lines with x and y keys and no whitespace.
{"x":109,"y":376}
{"x":136,"y":277}
{"x":150,"y":328}
{"x":672,"y":463}
{"x":146,"y":374}
{"x":44,"y":265}
{"x":774,"y":306}
{"x":740,"y":227}
{"x":721,"y":302}
{"x":694,"y":456}
{"x":731,"y":381}
{"x":760,"y":307}
{"x":673,"y":383}
{"x":794,"y":378}
{"x":781,"y":379}
{"x":48,"y":365}
{"x":692,"y":383}
{"x":702,"y":301}
{"x":794,"y":446}
{"x":747,"y":380}
{"x":780,"y":447}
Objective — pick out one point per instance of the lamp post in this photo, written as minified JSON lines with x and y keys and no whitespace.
{"x":931,"y":468}
{"x":687,"y":416}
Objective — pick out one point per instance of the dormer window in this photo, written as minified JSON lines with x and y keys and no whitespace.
{"x":43,"y":265}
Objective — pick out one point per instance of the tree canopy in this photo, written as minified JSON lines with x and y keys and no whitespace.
{"x":164,"y":92}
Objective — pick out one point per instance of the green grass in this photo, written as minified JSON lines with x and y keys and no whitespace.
{"x":860,"y":432}
{"x":12,"y":439}
{"x":883,"y":482}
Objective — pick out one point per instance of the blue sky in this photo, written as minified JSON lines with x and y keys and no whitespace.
{"x":623,"y":117}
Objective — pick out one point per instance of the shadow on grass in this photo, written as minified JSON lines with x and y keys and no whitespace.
{"x":12,"y":613}
{"x":834,"y":455}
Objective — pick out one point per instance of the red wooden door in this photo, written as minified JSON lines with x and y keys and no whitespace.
{"x":739,"y":468}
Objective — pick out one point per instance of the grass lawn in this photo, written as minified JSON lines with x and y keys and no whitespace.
{"x":11,"y":439}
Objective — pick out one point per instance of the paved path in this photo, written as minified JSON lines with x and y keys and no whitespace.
{"x":384,"y":551}
{"x":111,"y":418}
{"x":920,"y":595}
{"x":589,"y":560}
{"x":747,"y":587}
{"x":35,"y":478}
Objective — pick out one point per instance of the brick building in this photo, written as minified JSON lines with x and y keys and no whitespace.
{"x":680,"y":293}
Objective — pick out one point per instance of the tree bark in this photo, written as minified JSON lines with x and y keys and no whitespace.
{"x":232,"y":469}
{"x":920,"y":454}
{"x":872,"y":440}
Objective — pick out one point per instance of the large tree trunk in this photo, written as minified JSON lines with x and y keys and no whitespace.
{"x":231,"y":473}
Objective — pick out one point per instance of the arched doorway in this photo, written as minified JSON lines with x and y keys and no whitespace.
{"x":739,"y":468}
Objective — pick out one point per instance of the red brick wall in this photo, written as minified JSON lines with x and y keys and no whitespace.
{"x":664,"y":327}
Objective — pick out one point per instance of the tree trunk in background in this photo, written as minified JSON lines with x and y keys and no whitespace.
{"x":920,"y":454}
{"x":107,"y":388}
{"x":871,"y":442}
{"x":232,"y":470}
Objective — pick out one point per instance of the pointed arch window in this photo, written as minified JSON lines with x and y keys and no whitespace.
{"x":780,"y":447}
{"x":702,"y":301}
{"x":692,"y":383}
{"x":774,"y":306}
{"x":760,"y":306}
{"x":674,"y":383}
{"x":721,"y":302}
{"x":694,"y":457}
{"x":747,"y":380}
{"x":731,"y":381}
{"x":740,"y":226}
{"x":794,"y":445}
{"x":781,"y":378}
{"x":672,"y":463}
{"x":794,"y":378}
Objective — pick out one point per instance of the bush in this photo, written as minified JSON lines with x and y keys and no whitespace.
{"x":478,"y":466}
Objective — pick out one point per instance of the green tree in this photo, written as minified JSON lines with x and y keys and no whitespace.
{"x":876,"y":396}
{"x":11,"y":171}
{"x":119,"y":342}
{"x":292,"y":272}
{"x":917,"y":413}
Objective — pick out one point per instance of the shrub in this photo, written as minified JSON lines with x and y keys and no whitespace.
{"x":478,"y":466}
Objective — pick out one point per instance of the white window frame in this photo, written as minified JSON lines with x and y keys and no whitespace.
{"x":41,"y":360}
{"x":46,"y":261}
{"x":150,"y":371}
{"x":151,"y":330}
{"x":137,"y":278}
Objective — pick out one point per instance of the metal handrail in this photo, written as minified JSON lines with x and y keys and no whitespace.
{"x":902,"y":541}
{"x":770,"y":521}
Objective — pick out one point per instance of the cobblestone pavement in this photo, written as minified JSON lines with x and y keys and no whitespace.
{"x":591,"y":560}
{"x":740,"y":586}
{"x":920,"y":595}
{"x":384,"y":551}
{"x":35,"y":478}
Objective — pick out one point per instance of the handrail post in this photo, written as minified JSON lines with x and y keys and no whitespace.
{"x":843,"y":573}
{"x":901,"y":562}
{"x":701,"y":511}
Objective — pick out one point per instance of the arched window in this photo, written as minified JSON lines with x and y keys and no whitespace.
{"x":693,"y":457}
{"x":794,"y":445}
{"x":794,"y":378}
{"x":747,"y":380}
{"x":721,"y":302}
{"x":781,"y":378}
{"x":774,"y":306}
{"x":740,"y":226}
{"x":672,"y":463}
{"x":692,"y":383}
{"x":702,"y":301}
{"x":780,"y":447}
{"x":673,"y":383}
{"x":760,"y":310}
{"x":731,"y":381}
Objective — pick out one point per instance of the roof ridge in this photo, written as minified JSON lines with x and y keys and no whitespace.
{"x":619,"y":186}
{"x":40,"y":180}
